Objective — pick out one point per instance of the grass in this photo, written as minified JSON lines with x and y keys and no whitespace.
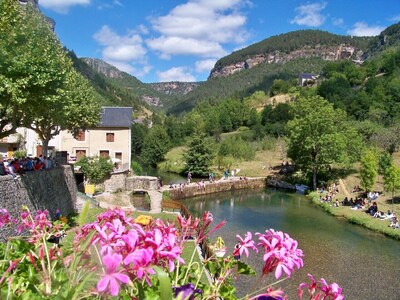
{"x":360,"y":217}
{"x":174,"y":161}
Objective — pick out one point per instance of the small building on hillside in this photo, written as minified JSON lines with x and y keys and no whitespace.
{"x":306,"y":79}
{"x":112,"y":138}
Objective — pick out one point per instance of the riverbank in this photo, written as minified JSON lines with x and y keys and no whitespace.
{"x":358,"y":217}
{"x":181,"y":191}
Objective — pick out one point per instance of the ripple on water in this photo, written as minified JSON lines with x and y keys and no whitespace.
{"x":365,"y":264}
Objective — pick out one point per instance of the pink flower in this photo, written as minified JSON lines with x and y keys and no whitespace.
{"x":321,"y":290}
{"x":5,"y":217}
{"x":280,"y":253}
{"x":141,"y":260}
{"x":246,"y":243}
{"x":112,"y":277}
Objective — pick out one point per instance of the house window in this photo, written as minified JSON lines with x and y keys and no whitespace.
{"x":80,"y":154}
{"x":80,"y":136}
{"x":104,"y":153}
{"x":118,"y":160}
{"x":110,"y":137}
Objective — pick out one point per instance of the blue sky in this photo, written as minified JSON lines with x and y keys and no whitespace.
{"x":180,"y":40}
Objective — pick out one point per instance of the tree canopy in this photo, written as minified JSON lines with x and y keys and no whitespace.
{"x":39,"y":87}
{"x":319,"y":136}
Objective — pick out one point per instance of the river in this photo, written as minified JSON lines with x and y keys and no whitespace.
{"x":364,"y":263}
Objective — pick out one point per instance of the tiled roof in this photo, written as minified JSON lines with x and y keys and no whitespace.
{"x":116,"y":117}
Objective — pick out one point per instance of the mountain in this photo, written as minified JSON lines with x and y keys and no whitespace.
{"x":117,"y":87}
{"x":283,"y":56}
{"x":387,"y":38}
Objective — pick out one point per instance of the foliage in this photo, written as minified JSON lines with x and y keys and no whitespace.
{"x":369,"y":169}
{"x":95,"y":168}
{"x":155,"y":146}
{"x":237,"y":148}
{"x":38,"y":80}
{"x":391,"y":179}
{"x":136,"y":167}
{"x":199,"y":155}
{"x":319,"y":136}
{"x":138,"y":133}
{"x":19,"y":154}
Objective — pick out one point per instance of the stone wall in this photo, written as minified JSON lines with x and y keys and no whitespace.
{"x":116,"y":182}
{"x":48,"y":189}
{"x":216,"y":187}
{"x":141,"y":183}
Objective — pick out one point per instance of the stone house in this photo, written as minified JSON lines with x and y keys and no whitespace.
{"x":111,"y":137}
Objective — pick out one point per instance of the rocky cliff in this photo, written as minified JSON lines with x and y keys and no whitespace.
{"x":175,"y":87}
{"x":103,"y":68}
{"x":328,"y":53}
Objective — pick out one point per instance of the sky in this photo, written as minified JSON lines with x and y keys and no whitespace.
{"x":180,"y":40}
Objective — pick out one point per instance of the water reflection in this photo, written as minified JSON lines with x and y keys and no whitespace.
{"x":364,"y":263}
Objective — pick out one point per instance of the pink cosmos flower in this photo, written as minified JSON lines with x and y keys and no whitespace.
{"x":280,"y":253}
{"x":320,"y":290}
{"x":246,"y":243}
{"x":112,"y":278}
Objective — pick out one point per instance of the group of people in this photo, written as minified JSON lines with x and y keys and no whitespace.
{"x":16,"y":167}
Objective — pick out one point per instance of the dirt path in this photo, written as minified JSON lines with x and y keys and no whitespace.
{"x":343,"y":188}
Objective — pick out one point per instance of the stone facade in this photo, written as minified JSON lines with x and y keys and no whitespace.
{"x":141,"y":183}
{"x":48,"y":189}
{"x":116,"y":182}
{"x":216,"y":187}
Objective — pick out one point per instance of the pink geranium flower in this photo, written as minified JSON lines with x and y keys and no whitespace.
{"x":280,"y":253}
{"x":246,"y":243}
{"x":320,"y":290}
{"x":112,"y":277}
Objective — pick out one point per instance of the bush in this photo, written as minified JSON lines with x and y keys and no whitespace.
{"x":19,"y":154}
{"x":95,"y":168}
{"x":136,"y":167}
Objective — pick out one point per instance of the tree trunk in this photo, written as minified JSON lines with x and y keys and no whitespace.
{"x":45,"y":145}
{"x":314,"y":178}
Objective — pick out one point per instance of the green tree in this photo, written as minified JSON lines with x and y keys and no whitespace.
{"x":199,"y":155}
{"x":155,"y":146}
{"x":392,"y":180}
{"x":14,"y":68}
{"x":138,"y":133}
{"x":95,"y":168}
{"x":37,"y":79}
{"x":369,"y":169}
{"x":319,"y":136}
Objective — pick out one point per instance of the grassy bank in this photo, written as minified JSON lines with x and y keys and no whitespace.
{"x":358,"y":217}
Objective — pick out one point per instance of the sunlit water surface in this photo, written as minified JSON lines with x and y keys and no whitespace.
{"x":365,"y":264}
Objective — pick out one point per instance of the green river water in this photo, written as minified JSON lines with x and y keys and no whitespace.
{"x":364,"y":263}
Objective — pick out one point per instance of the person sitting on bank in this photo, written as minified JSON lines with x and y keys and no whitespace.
{"x":395,"y":223}
{"x":372,"y":209}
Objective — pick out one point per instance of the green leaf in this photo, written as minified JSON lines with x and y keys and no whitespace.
{"x":245,"y":269}
{"x":165,"y":287}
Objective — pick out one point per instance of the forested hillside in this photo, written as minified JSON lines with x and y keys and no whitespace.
{"x":117,"y":88}
{"x":280,"y":57}
{"x":291,"y":41}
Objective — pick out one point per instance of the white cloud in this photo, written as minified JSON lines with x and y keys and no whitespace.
{"x":309,"y":15}
{"x":395,"y":19}
{"x":205,"y":65}
{"x":62,"y":6}
{"x":337,"y":21}
{"x":176,"y":74}
{"x":199,"y":23}
{"x":168,"y":46}
{"x":362,"y":29}
{"x":126,"y":52}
